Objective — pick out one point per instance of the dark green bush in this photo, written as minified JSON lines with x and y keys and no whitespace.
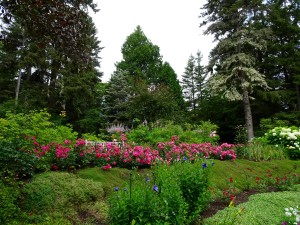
{"x":9,"y":209}
{"x":14,"y":162}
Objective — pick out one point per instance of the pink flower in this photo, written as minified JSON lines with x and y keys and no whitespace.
{"x":107,"y":167}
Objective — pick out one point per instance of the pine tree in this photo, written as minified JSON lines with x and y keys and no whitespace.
{"x":233,"y":60}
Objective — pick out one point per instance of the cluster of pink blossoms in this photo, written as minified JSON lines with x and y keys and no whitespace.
{"x":128,"y":156}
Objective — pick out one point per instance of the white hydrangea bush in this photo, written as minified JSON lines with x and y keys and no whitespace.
{"x":288,"y":137}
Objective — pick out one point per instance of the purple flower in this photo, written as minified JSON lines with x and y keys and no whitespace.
{"x":155,"y":188}
{"x":284,"y":223}
{"x":204,"y":165}
{"x":116,"y":188}
{"x":184,"y":158}
{"x":147,"y":179}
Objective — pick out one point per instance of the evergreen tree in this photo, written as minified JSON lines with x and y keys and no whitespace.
{"x":280,"y":64}
{"x":233,"y":60}
{"x":154,"y":90}
{"x":53,"y":74}
{"x":117,"y":96}
{"x":193,"y":83}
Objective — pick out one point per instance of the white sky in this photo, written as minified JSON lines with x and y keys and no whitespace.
{"x":172,"y":25}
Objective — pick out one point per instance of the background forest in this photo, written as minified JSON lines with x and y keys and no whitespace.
{"x":50,"y":59}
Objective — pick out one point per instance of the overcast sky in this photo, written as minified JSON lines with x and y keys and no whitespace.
{"x":172,"y":25}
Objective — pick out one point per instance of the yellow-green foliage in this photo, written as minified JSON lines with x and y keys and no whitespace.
{"x":61,"y":195}
{"x":35,"y":123}
{"x":266,"y":208}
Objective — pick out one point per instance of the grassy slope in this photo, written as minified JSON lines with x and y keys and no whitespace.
{"x":243,"y":172}
{"x":84,"y":212}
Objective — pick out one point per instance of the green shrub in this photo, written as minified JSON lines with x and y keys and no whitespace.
{"x":9,"y":209}
{"x":58,"y":192}
{"x":172,"y":195}
{"x":36,"y":124}
{"x":149,"y":201}
{"x":15,"y":163}
{"x":157,"y":132}
{"x":194,"y":184}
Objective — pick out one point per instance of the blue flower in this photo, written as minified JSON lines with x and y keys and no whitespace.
{"x":184,"y":158}
{"x":147,"y":179}
{"x":212,"y":163}
{"x":155,"y":188}
{"x":125,"y":189}
{"x":204,"y":165}
{"x":116,"y":188}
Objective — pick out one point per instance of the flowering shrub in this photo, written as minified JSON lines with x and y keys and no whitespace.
{"x":172,"y":152}
{"x":70,"y":155}
{"x":286,"y":137}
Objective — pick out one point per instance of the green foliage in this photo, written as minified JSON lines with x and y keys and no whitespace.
{"x":193,"y":83}
{"x":267,"y":208}
{"x":194,"y":184}
{"x":37,"y":124}
{"x":143,"y":86}
{"x":280,"y":120}
{"x":61,"y":194}
{"x":287,"y":137}
{"x":240,"y":134}
{"x":172,"y":195}
{"x":164,"y":131}
{"x":9,"y":209}
{"x":257,"y":151}
{"x":14,"y":162}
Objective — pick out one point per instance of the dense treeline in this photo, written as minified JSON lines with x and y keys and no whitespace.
{"x":49,"y":58}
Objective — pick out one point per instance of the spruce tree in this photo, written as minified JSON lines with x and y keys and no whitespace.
{"x":233,"y":60}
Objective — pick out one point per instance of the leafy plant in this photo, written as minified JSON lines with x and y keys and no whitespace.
{"x":58,"y":193}
{"x":265,"y":208}
{"x":9,"y":209}
{"x":288,"y":137}
{"x":34,"y":124}
{"x":259,"y":151}
{"x":15,"y":162}
{"x":172,"y":195}
{"x":164,"y":131}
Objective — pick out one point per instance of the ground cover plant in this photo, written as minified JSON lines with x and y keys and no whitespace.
{"x":264,"y":208}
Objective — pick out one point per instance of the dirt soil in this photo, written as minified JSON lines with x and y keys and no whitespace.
{"x":217,"y":205}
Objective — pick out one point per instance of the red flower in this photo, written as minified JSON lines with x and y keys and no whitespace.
{"x":231,"y":180}
{"x":54,"y":167}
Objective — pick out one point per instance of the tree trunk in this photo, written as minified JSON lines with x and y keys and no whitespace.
{"x":298,"y":97}
{"x":18,"y":89}
{"x":248,"y":115}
